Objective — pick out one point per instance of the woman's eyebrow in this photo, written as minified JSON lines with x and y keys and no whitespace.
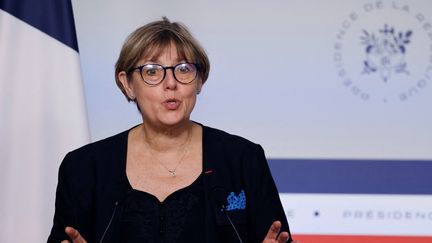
{"x":157,"y":61}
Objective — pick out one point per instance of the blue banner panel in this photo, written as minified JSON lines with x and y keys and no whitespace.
{"x":352,"y":176}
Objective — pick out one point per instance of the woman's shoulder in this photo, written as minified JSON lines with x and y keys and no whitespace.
{"x":106,"y":145}
{"x":99,"y":153}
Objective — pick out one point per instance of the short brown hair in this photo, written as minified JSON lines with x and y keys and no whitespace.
{"x":152,"y":39}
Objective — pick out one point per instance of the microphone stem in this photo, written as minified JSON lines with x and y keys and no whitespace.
{"x":233,"y":226}
{"x":109,"y":223}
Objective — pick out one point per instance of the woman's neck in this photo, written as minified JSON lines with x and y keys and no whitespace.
{"x":162,"y":139}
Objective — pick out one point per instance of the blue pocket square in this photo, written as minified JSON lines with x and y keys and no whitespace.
{"x":236,"y":202}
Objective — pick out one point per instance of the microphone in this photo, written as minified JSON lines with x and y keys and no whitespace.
{"x":109,"y":222}
{"x":220,"y":195}
{"x":232,"y":225}
{"x":117,"y":203}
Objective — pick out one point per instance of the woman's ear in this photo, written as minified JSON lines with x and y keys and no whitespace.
{"x":123,"y":77}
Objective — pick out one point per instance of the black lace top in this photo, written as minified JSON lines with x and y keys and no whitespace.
{"x":179,"y":218}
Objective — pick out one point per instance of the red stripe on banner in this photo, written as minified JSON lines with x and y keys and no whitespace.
{"x":360,"y":239}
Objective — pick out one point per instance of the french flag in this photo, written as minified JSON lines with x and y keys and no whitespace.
{"x":42,"y":112}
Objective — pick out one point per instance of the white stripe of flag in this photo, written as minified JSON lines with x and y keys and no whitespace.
{"x":42,"y":116}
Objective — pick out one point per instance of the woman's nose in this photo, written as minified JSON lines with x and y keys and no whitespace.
{"x":170,"y":82}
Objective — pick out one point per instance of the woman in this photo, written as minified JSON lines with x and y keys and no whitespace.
{"x":168,"y":179}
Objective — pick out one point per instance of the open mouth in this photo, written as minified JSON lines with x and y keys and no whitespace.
{"x":171,"y":104}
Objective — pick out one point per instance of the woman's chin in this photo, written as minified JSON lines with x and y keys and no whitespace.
{"x":172,"y":121}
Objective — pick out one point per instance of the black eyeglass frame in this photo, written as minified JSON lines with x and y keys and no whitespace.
{"x":140,"y":68}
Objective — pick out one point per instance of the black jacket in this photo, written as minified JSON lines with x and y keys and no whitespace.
{"x":92,"y":183}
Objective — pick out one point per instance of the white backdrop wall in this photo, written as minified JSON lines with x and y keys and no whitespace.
{"x":273,"y":66}
{"x":292,"y":76}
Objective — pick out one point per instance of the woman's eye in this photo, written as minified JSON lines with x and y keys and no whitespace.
{"x":184,"y":68}
{"x":151,"y":71}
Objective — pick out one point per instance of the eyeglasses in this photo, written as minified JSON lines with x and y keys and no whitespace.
{"x":154,"y":74}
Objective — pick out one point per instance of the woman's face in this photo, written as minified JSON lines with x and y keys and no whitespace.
{"x":169,"y":103}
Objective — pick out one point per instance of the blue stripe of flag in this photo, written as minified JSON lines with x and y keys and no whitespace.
{"x":352,"y":176}
{"x":54,"y":17}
